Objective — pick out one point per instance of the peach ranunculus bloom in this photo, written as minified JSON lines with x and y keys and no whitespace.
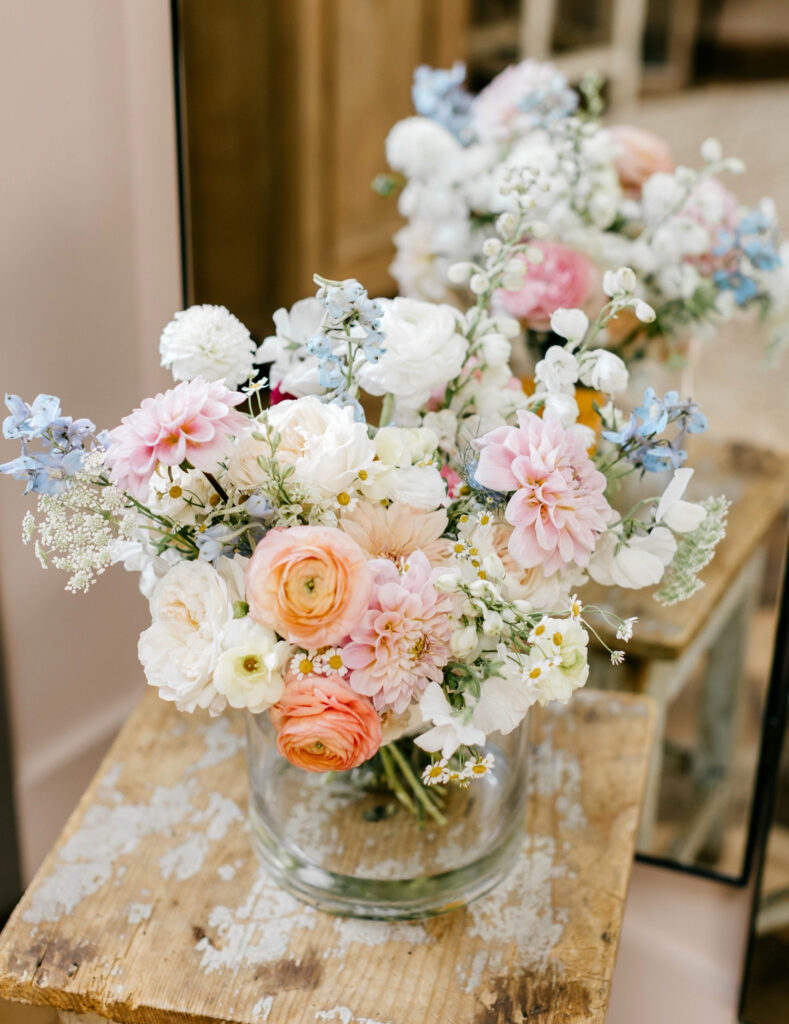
{"x":311,"y":584}
{"x":396,"y":531}
{"x":323,"y":726}
{"x":638,"y":154}
{"x":566,"y":279}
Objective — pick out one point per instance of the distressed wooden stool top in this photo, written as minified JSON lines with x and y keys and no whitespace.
{"x":757,"y":483}
{"x":152,"y":907}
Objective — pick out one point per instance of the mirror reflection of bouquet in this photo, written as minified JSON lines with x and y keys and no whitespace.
{"x":364,"y":583}
{"x":612,"y":196}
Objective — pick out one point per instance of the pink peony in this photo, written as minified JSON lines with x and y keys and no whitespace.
{"x":565,"y":279}
{"x":402,"y":642}
{"x":193,"y":421}
{"x":323,"y":726}
{"x":309,"y":583}
{"x":638,"y":154}
{"x":558,"y":507}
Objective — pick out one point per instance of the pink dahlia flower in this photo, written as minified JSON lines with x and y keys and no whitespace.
{"x":402,"y":641}
{"x":565,"y":279}
{"x":194,"y":421}
{"x":558,"y":507}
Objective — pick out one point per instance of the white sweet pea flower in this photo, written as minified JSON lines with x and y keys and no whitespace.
{"x":680,"y":516}
{"x":496,"y":349}
{"x":638,"y":562}
{"x":294,"y":370}
{"x":571,"y":324}
{"x":451,"y":729}
{"x":603,"y":371}
{"x":463,"y":641}
{"x":249,"y":672}
{"x":557,"y":372}
{"x":563,"y":408}
{"x":505,"y":698}
{"x":208,"y":341}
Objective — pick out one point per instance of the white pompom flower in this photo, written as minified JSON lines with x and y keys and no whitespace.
{"x":208,"y":341}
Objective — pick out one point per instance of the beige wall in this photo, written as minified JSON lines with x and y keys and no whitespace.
{"x":89,"y":273}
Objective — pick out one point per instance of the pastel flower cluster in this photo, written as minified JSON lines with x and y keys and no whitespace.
{"x":610,"y":196}
{"x":412,"y":582}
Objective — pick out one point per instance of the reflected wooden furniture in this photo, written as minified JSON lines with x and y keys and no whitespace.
{"x":670,"y":642}
{"x":285,"y":108}
{"x":152,"y":908}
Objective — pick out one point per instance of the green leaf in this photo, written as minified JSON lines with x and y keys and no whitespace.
{"x":240,"y":609}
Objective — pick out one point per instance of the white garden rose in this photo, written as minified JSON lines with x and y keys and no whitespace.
{"x":208,"y":341}
{"x":190,"y":608}
{"x":250,"y":671}
{"x":243,"y":468}
{"x":423,"y":351}
{"x":419,"y":147}
{"x":325,"y":445}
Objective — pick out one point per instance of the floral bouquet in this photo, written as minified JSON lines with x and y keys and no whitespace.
{"x":389,"y":596}
{"x":612,"y":196}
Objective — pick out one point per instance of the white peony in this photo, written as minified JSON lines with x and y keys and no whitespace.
{"x":208,"y":341}
{"x":250,"y":670}
{"x":423,"y":351}
{"x":603,"y":371}
{"x":419,"y":147}
{"x":325,"y":445}
{"x":190,"y":608}
{"x":294,"y":371}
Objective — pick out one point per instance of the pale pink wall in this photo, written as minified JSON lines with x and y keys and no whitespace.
{"x":89,"y":273}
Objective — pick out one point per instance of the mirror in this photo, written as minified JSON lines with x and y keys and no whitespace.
{"x":284,"y":109}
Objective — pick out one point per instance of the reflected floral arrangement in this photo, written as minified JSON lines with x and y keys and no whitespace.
{"x":612,"y":196}
{"x":369,"y":587}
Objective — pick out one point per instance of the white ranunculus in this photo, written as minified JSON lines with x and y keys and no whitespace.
{"x":419,"y":147}
{"x":680,"y":516}
{"x":423,"y":351}
{"x":190,"y":608}
{"x":450,"y":729}
{"x":639,"y":562}
{"x":325,"y":445}
{"x":294,"y":370}
{"x":557,"y":372}
{"x":250,"y":671}
{"x":571,"y":324}
{"x":603,"y":371}
{"x":208,"y":341}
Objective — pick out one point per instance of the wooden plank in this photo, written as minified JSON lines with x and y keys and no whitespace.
{"x":757,"y":482}
{"x":152,"y":908}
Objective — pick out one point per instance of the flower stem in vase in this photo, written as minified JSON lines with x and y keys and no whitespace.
{"x":415,"y":783}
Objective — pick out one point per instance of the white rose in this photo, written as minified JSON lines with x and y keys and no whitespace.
{"x":190,"y":608}
{"x":250,"y":669}
{"x":208,"y":341}
{"x":419,"y":147}
{"x":325,"y":445}
{"x":423,"y":351}
{"x":603,"y":371}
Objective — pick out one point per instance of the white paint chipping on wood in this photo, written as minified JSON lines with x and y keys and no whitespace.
{"x":217,"y":940}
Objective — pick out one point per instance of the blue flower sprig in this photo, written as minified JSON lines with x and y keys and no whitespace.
{"x":639,"y":441}
{"x":440,"y":94}
{"x":751,"y":246}
{"x":351,"y":330}
{"x":64,"y":442}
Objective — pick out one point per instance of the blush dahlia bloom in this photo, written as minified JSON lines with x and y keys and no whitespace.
{"x":193,"y":421}
{"x":309,"y":583}
{"x":558,"y":507}
{"x":394,"y":531}
{"x":402,"y":641}
{"x":323,"y":726}
{"x":565,"y":279}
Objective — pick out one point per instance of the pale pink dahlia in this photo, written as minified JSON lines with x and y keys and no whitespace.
{"x":402,"y":641}
{"x":192,"y":421}
{"x":558,"y":507}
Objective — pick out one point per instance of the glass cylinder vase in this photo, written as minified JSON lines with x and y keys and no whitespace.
{"x":344,"y":843}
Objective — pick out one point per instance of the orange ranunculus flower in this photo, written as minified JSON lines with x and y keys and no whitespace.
{"x":322,"y":725}
{"x":311,"y":584}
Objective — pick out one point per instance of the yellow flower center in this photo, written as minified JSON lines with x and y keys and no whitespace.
{"x":175,"y":491}
{"x":557,"y":639}
{"x":335,"y":662}
{"x":251,"y":663}
{"x":343,"y":498}
{"x":305,"y":666}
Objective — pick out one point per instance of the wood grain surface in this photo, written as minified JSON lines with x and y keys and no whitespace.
{"x":152,"y":908}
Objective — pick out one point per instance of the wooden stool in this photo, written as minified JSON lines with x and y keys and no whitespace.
{"x":670,"y":643}
{"x":152,"y":908}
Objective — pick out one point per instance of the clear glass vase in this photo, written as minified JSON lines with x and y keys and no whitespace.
{"x":345,"y":844}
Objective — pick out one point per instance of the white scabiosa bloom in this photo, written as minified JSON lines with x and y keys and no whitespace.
{"x":209,"y":342}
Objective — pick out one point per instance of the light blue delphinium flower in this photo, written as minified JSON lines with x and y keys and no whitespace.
{"x":440,"y":94}
{"x":29,"y":421}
